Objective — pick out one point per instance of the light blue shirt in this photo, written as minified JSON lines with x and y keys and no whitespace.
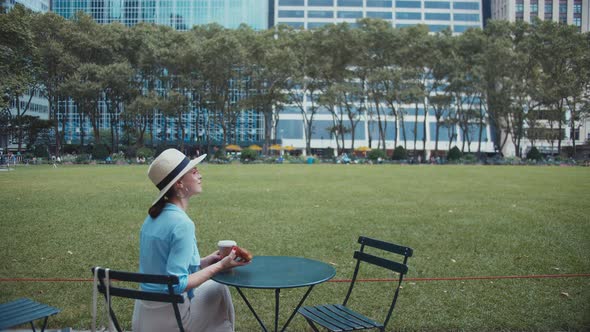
{"x":167,"y":245}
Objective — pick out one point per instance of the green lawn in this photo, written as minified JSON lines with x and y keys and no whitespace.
{"x":462,"y":221}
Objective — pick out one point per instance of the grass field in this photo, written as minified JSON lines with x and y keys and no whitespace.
{"x":462,"y":221}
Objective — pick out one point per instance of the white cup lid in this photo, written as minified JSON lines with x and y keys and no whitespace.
{"x":226,"y":243}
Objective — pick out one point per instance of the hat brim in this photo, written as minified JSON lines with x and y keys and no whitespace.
{"x":188,"y":167}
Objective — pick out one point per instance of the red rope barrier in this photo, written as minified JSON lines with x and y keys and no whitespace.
{"x":541,"y":276}
{"x":472,"y":278}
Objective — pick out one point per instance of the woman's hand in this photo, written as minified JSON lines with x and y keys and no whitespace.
{"x":230,"y":261}
{"x":211,"y":259}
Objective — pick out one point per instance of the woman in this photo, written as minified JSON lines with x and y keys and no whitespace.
{"x":168,"y":246}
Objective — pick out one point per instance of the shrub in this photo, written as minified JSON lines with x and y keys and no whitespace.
{"x":144,"y":152}
{"x":470,"y":158}
{"x":454,"y":154}
{"x":82,"y":158}
{"x":130,"y":151}
{"x":248,"y":155}
{"x":41,"y":151}
{"x":71,"y":148}
{"x":100,"y":152}
{"x":376,"y":154}
{"x":400,"y":153}
{"x":534,"y":154}
{"x":328,"y":153}
{"x":220,"y":154}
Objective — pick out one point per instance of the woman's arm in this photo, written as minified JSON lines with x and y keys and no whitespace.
{"x":204,"y":274}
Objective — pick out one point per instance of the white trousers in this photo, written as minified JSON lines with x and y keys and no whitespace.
{"x":210,"y":310}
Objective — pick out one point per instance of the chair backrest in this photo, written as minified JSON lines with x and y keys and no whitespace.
{"x":400,"y":268}
{"x":132,"y":293}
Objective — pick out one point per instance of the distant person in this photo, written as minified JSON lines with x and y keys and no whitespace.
{"x":168,"y":246}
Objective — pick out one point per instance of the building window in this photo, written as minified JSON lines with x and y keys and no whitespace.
{"x":315,"y":25}
{"x":578,"y":22}
{"x":291,"y":13}
{"x":381,"y":15}
{"x":291,"y":2}
{"x":437,"y":4}
{"x":317,"y":3}
{"x":578,"y":7}
{"x":350,"y":3}
{"x":466,"y":5}
{"x":548,"y":6}
{"x":562,"y":7}
{"x":437,"y":27}
{"x":534,"y":6}
{"x":437,"y":16}
{"x":407,"y":4}
{"x":548,"y":9}
{"x":466,"y":17}
{"x":519,"y":6}
{"x":461,"y":28}
{"x":408,"y":16}
{"x":379,"y":3}
{"x":320,"y":14}
{"x":295,"y":25}
{"x":347,"y":14}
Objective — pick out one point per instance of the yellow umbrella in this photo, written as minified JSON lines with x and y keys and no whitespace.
{"x":289,"y":148}
{"x":363,"y":149}
{"x":233,"y":147}
{"x":275,"y":147}
{"x":255,"y":147}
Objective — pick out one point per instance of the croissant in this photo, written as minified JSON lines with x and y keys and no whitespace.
{"x":242,"y":253}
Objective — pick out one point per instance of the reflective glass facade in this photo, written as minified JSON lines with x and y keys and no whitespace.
{"x":179,"y":14}
{"x":401,"y":13}
{"x":41,"y":6}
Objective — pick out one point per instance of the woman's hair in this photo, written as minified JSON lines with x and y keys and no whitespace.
{"x":157,"y":208}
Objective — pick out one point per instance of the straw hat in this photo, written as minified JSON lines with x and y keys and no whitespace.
{"x":168,"y":167}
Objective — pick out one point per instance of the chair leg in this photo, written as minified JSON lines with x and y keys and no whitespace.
{"x":310,"y":322}
{"x":44,"y":324}
{"x":32,"y":326}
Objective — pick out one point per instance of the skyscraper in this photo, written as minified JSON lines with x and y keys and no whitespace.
{"x":574,"y":12}
{"x":40,"y":6}
{"x":179,"y":14}
{"x":437,"y":15}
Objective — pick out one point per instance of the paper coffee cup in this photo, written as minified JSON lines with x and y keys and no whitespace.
{"x":225,"y":246}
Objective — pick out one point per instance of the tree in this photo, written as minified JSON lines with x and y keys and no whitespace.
{"x":19,"y":64}
{"x":305,"y":81}
{"x":267,"y":57}
{"x":381,"y":70}
{"x":222,"y":60}
{"x":498,"y":66}
{"x":56,"y":63}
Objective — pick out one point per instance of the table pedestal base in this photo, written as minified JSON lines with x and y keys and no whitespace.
{"x":277,"y":303}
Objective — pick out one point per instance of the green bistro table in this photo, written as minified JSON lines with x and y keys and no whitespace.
{"x":277,"y":272}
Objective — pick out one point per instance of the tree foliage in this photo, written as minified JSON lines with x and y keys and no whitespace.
{"x":503,"y":76}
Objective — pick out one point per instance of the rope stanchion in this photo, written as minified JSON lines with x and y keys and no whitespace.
{"x":538,"y":276}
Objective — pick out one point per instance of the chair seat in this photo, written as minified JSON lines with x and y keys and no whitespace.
{"x":336,"y":317}
{"x":23,"y":311}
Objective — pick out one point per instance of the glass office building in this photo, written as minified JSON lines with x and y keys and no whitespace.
{"x":436,"y":14}
{"x":458,"y":15}
{"x":179,"y":14}
{"x":573,"y":12}
{"x":40,"y":6}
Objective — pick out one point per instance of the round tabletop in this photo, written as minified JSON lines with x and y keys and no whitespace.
{"x":275,"y":272}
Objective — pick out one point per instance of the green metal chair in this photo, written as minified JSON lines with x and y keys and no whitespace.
{"x":169,"y":280}
{"x":336,"y":317}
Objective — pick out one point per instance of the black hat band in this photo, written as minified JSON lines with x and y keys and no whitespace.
{"x":173,"y":174}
